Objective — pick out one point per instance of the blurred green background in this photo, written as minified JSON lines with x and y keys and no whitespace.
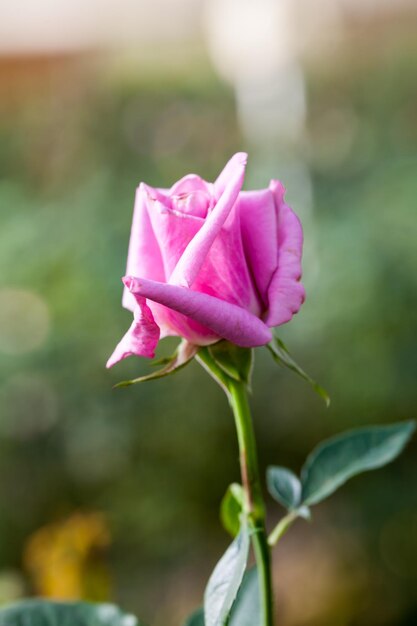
{"x":114,"y":494}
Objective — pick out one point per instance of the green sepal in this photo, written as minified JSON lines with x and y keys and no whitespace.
{"x":236,"y":362}
{"x":37,"y":612}
{"x":184,"y":353}
{"x":231,"y":508}
{"x":211,"y":366}
{"x":336,"y":460}
{"x":281,"y":356}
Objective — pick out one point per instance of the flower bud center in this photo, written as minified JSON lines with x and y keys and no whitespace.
{"x":193,"y":203}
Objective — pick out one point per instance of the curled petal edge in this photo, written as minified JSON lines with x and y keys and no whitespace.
{"x":226,"y":320}
{"x":142,"y":337}
{"x":286,"y":294}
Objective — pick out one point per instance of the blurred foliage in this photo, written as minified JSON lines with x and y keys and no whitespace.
{"x":155,"y":460}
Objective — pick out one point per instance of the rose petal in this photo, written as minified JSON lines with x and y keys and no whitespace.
{"x":227,"y":173}
{"x":188,"y":184}
{"x":259,"y":234}
{"x":286,"y":294}
{"x":142,"y":337}
{"x":193,"y":257}
{"x":144,"y":256}
{"x":228,"y":321}
{"x":195,"y":203}
{"x":173,"y":232}
{"x":225,"y":273}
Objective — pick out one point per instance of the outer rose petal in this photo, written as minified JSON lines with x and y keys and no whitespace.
{"x":258,"y":218}
{"x":173,"y":231}
{"x":286,"y":294}
{"x":228,"y":321}
{"x":144,"y":256}
{"x":142,"y":337}
{"x":194,"y":255}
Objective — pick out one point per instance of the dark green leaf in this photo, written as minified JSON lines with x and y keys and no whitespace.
{"x":336,"y":460}
{"x":46,"y":613}
{"x":236,"y":362}
{"x":284,"y":486}
{"x":181,"y":357}
{"x":281,"y":355}
{"x":225,"y":581}
{"x":231,"y":508}
{"x":196,"y":619}
{"x":246,"y":610}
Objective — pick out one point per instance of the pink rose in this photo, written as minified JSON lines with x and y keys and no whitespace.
{"x":208,"y":261}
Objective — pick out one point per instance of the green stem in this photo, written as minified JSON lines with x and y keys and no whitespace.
{"x":282,"y":527}
{"x":253,"y":494}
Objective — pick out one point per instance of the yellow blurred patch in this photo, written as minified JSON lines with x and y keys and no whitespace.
{"x":65,"y":559}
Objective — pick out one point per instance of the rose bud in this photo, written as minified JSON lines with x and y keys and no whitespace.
{"x":208,"y":261}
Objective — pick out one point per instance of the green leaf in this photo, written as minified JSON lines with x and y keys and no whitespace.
{"x":281,"y":356}
{"x":284,"y":486}
{"x":225,"y":581}
{"x":231,"y":508}
{"x":196,"y":619}
{"x":236,"y":362}
{"x":246,"y":610}
{"x":46,"y":613}
{"x":181,"y":357}
{"x":336,"y":460}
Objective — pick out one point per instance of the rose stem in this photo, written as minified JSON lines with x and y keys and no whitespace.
{"x":238,"y":397}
